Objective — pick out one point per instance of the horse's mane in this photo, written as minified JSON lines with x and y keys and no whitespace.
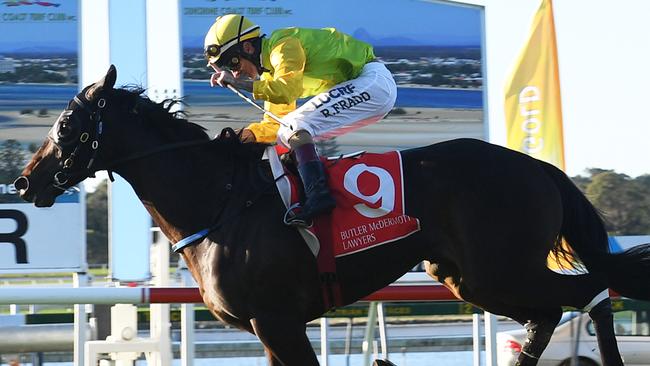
{"x":159,"y":114}
{"x":175,"y":124}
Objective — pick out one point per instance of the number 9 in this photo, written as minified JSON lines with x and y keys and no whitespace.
{"x":385,"y":193}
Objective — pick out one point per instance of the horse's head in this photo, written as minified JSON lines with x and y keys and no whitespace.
{"x":69,"y":154}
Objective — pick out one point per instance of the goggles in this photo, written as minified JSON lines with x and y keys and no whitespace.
{"x":212,"y":50}
{"x":233,"y":64}
{"x":227,"y":61}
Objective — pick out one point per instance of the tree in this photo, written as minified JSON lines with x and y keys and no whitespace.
{"x":97,"y":225}
{"x":622,"y":200}
{"x":12,"y":160}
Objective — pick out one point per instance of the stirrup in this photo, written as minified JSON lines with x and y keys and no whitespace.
{"x":290,"y":218}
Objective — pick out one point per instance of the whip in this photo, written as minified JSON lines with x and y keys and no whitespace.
{"x":252,"y":102}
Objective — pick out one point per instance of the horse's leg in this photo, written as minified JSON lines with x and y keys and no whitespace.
{"x":576,"y":291}
{"x":539,"y":330}
{"x":284,"y":338}
{"x":603,"y":319}
{"x":539,"y":322}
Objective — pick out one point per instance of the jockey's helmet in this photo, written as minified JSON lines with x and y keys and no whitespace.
{"x":225,"y":36}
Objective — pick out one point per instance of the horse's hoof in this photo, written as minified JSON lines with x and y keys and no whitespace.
{"x":383,"y":363}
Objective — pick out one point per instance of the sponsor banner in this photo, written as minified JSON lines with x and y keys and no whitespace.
{"x":36,"y":239}
{"x":370,"y":207}
{"x":533,"y":107}
{"x":19,"y":11}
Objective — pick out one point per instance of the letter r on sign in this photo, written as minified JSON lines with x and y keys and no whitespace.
{"x":15,"y":237}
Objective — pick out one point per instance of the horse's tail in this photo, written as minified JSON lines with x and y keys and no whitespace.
{"x":583,"y":229}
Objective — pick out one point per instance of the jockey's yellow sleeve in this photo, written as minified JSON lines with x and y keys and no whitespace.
{"x":303,"y":62}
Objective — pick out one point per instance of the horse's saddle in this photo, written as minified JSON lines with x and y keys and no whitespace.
{"x":370,"y":207}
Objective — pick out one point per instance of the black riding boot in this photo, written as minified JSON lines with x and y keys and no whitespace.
{"x":318,"y":199}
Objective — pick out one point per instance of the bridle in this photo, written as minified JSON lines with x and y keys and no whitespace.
{"x":62,"y":177}
{"x":95,"y":111}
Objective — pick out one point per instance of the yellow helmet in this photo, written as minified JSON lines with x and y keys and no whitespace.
{"x":228,"y":31}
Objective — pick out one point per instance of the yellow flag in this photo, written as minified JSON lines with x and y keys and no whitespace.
{"x":533,"y":106}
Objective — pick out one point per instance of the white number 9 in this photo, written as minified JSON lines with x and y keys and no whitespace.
{"x":385,"y":193}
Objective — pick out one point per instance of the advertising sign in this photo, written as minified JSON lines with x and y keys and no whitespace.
{"x":42,"y":239}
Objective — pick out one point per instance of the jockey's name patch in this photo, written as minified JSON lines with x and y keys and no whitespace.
{"x":338,"y":99}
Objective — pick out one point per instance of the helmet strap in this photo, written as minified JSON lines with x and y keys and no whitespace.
{"x":256,"y":57}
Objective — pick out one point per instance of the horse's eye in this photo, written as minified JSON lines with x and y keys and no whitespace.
{"x":64,"y":129}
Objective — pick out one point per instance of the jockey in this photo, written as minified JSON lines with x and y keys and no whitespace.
{"x":349,"y":89}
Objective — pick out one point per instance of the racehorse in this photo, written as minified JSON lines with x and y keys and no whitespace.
{"x":489,"y":218}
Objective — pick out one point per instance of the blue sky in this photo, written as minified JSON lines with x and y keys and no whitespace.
{"x":45,"y":28}
{"x":420,"y":21}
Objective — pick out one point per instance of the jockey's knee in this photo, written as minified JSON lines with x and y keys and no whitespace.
{"x":299,"y":138}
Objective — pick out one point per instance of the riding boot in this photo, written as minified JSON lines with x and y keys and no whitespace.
{"x":318,"y":199}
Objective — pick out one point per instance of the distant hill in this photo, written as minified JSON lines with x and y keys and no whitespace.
{"x":397,"y":40}
{"x":26,"y":48}
{"x":379,"y":41}
{"x":410,"y":52}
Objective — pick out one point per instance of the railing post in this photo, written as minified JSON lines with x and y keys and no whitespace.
{"x":490,"y":339}
{"x":383,"y":338}
{"x":159,"y":322}
{"x":348,"y":341}
{"x":324,"y":341}
{"x":370,"y":333}
{"x":476,"y":339}
{"x":187,"y":319}
{"x":79,"y":280}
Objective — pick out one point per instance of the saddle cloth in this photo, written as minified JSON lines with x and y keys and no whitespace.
{"x":370,"y":208}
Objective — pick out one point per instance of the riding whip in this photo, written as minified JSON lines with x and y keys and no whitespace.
{"x":252,"y":102}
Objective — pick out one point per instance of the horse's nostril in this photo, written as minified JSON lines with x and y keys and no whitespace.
{"x":22,"y":183}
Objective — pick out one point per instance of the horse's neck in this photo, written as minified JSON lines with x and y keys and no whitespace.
{"x":181,"y":194}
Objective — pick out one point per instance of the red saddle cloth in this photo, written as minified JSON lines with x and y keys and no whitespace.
{"x":370,"y":208}
{"x":370,"y":211}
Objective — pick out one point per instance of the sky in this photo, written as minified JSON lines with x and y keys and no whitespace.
{"x":55,"y":26}
{"x":383,"y":19}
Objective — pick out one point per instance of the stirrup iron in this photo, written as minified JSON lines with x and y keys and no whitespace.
{"x":290,"y":220}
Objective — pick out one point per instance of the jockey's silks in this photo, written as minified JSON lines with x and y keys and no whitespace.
{"x":303,"y":62}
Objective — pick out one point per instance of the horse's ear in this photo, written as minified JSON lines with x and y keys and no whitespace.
{"x":106,"y":83}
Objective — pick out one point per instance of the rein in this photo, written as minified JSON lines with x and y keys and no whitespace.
{"x":63,"y":176}
{"x":156,"y":150}
{"x":194,"y":238}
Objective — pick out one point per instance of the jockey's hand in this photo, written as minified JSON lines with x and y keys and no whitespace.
{"x":246,"y":136}
{"x":222,"y":78}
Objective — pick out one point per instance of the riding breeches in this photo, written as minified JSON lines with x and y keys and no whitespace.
{"x":345,"y":107}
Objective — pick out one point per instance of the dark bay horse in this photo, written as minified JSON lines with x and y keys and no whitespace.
{"x":489,"y":217}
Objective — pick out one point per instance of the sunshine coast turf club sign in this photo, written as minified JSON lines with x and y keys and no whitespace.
{"x":35,"y":11}
{"x":36,"y":239}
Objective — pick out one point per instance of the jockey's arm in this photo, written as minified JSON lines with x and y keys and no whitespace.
{"x":243,"y":84}
{"x":280,"y":89}
{"x":266,"y":130}
{"x":285,"y":84}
